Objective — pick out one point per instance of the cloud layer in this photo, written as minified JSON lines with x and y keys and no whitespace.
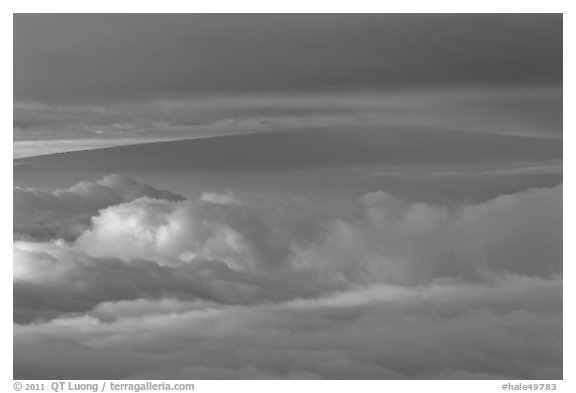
{"x":510,"y":329}
{"x":62,"y":213}
{"x":121,"y":280}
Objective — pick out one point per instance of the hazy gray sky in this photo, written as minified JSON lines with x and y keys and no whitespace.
{"x":403,"y":87}
{"x":119,"y":57}
{"x":90,"y":80}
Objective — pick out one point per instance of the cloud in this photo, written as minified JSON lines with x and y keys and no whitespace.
{"x":151,"y":285}
{"x":395,"y":241}
{"x":509,"y":329}
{"x":544,"y":168}
{"x":183,"y":232}
{"x":47,"y":214}
{"x":390,"y":241}
{"x":52,"y":279}
{"x":48,"y":128}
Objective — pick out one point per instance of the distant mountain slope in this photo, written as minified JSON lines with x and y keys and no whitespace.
{"x":307,"y":149}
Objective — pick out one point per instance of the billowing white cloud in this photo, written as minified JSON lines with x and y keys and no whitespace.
{"x":183,"y":232}
{"x":47,"y":214}
{"x":395,"y":241}
{"x":53,"y":278}
{"x":149,"y":285}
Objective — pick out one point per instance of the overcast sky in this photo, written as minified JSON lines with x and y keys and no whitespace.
{"x":119,"y":57}
{"x":120,"y":78}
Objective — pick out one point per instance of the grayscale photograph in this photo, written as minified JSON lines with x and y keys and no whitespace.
{"x":287,"y":196}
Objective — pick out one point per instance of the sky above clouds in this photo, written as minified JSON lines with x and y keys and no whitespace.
{"x":130,"y":78}
{"x":120,"y":57}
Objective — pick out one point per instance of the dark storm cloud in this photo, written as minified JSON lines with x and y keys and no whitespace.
{"x":70,"y":57}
